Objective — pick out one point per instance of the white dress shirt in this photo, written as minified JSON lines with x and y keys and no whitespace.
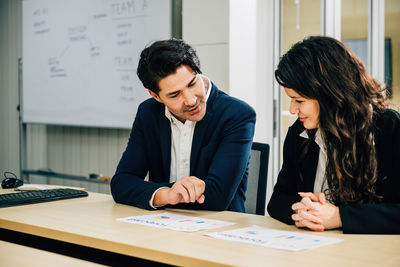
{"x":320,"y":184}
{"x":181,"y":142}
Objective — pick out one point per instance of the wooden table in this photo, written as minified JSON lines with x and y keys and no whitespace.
{"x":91,"y":222}
{"x":16,"y":255}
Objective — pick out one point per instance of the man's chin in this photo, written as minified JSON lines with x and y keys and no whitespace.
{"x":196,"y":117}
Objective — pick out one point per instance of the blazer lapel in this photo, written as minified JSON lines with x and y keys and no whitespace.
{"x":309,"y":167}
{"x":201,"y":128}
{"x":165,"y":142}
{"x":198,"y":136}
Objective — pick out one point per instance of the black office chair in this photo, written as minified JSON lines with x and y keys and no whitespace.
{"x":257,"y":179}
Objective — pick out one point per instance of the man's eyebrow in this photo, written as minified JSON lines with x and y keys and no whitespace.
{"x":189,"y":84}
{"x":192,"y":81}
{"x":173,"y":93}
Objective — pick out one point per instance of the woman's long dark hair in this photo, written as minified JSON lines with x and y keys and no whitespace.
{"x":324,"y":69}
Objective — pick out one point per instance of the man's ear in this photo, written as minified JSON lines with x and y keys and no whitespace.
{"x":154,"y":95}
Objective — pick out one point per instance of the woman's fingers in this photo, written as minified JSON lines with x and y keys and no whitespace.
{"x":312,"y":226}
{"x":305,"y":215}
{"x":316,"y":197}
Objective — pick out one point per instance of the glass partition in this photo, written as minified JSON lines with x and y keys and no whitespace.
{"x":392,"y":49}
{"x":355,"y":27}
{"x":300,"y":18}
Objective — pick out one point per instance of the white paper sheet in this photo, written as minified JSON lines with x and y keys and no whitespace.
{"x":266,"y":237}
{"x":175,"y":222}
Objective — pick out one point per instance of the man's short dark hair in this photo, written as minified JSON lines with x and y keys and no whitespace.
{"x":162,"y":58}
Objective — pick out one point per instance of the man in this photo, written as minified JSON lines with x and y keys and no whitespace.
{"x":191,"y":139}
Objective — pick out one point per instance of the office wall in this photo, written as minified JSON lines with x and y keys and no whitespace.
{"x":205,"y":25}
{"x":83,"y":150}
{"x":78,"y":150}
{"x":72,"y":150}
{"x":10,"y":51}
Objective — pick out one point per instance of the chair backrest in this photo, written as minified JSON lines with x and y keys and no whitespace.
{"x":257,"y":179}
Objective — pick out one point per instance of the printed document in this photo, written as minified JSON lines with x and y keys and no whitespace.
{"x":266,"y":237}
{"x":175,"y":222}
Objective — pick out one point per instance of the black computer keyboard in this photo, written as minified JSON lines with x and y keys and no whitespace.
{"x":30,"y":197}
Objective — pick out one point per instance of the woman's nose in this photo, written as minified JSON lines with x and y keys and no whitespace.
{"x":294,"y":108}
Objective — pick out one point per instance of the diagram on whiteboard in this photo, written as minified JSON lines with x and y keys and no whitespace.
{"x":80,"y":59}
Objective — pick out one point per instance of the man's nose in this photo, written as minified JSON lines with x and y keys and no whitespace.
{"x":189,"y":98}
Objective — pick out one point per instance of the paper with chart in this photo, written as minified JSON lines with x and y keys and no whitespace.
{"x":266,"y":237}
{"x":175,"y":222}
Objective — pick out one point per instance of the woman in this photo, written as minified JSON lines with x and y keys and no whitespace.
{"x":341,"y":158}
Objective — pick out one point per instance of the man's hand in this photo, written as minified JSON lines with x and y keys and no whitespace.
{"x":188,"y":189}
{"x":315,"y":213}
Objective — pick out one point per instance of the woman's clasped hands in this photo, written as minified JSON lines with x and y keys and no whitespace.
{"x":316,"y":213}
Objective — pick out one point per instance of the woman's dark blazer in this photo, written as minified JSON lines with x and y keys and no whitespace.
{"x":370,"y":218}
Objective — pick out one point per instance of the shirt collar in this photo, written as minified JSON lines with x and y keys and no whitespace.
{"x":208,"y":86}
{"x":318,"y":139}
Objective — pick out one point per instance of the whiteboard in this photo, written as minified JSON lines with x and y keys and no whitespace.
{"x":80,"y":59}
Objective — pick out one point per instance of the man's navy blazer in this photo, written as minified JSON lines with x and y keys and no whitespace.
{"x":220,"y":154}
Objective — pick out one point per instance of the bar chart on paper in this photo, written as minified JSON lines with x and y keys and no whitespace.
{"x":266,"y":237}
{"x":175,"y":222}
